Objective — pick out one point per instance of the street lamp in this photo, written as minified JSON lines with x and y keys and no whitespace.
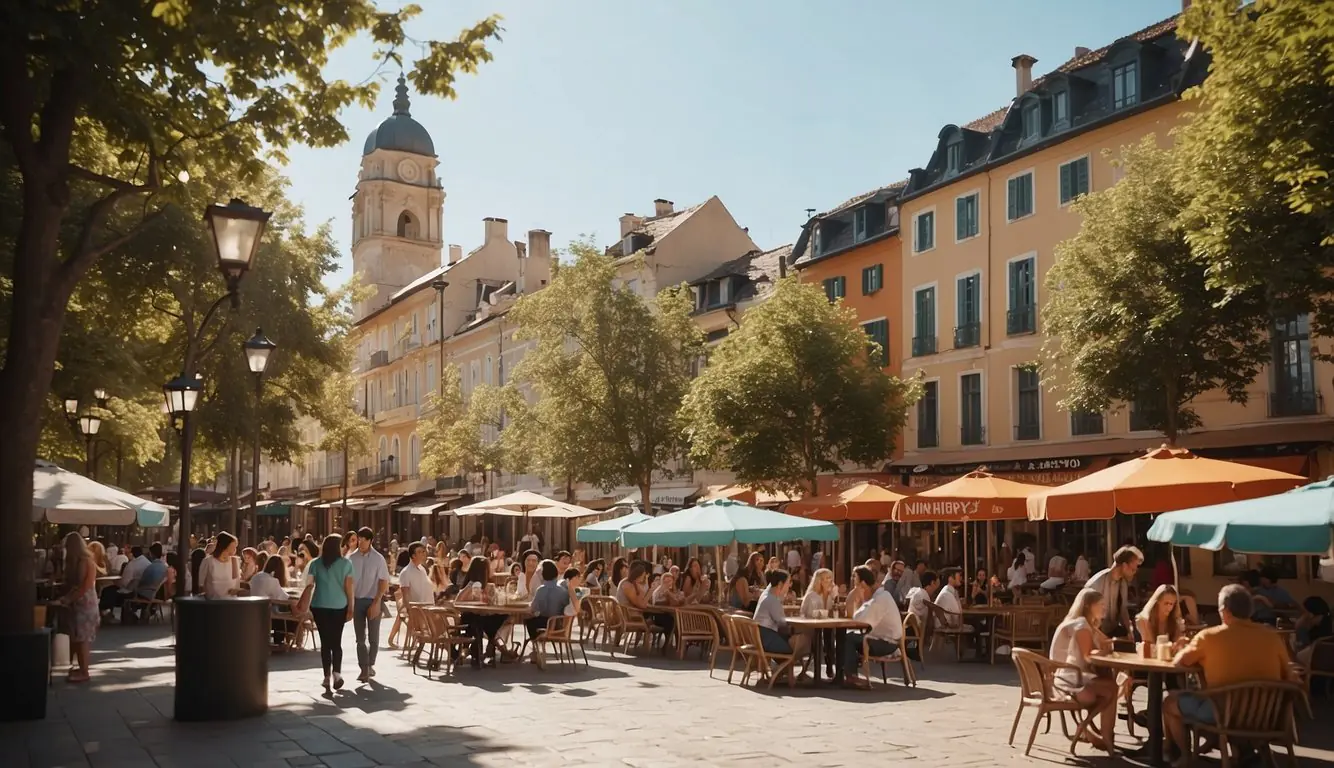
{"x":71,"y":407}
{"x":100,"y":395}
{"x":257,"y":350}
{"x":88,"y":427}
{"x":237,"y":229}
{"x":181,"y":395}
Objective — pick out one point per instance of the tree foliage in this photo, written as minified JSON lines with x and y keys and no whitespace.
{"x":477,"y":438}
{"x":794,"y":392}
{"x":608,"y":370}
{"x":1258,"y":153}
{"x":1131,"y":317}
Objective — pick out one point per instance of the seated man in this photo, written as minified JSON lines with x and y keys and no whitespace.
{"x":549,"y":600}
{"x":114,"y":595}
{"x":775,"y":635}
{"x":919,"y":597}
{"x":876,"y":607}
{"x":1238,"y":651}
{"x":151,"y":580}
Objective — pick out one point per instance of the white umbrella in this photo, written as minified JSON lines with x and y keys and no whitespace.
{"x":526,"y":504}
{"x":68,"y":498}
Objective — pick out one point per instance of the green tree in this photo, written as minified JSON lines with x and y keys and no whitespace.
{"x":1130,"y":316}
{"x":442,"y":410}
{"x":118,"y":105}
{"x":794,"y":392}
{"x":608,"y":370}
{"x":479,"y":440}
{"x":346,"y":430}
{"x":1258,"y":152}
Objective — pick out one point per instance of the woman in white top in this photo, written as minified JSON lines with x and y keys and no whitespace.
{"x":820,"y":596}
{"x":1018,"y":574}
{"x":1076,"y":639}
{"x":220,"y":572}
{"x":1082,"y":571}
{"x":1056,"y":573}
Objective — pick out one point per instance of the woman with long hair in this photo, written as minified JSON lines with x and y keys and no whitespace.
{"x":821,"y":595}
{"x":197,"y":556}
{"x":98,"y":555}
{"x":478,"y":589}
{"x":693,"y":583}
{"x":331,"y":606}
{"x":1075,"y":640}
{"x":618,"y":568}
{"x":81,"y":597}
{"x":594,"y":575}
{"x":1018,"y":574}
{"x":1162,"y":616}
{"x":220,"y":572}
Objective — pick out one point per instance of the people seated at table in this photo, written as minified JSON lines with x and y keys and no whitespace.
{"x":114,"y":595}
{"x":1017,"y":574}
{"x":563,"y":560}
{"x":665,"y":593}
{"x":1114,"y":584}
{"x":739,"y":591}
{"x":632,"y":592}
{"x":572,"y":581}
{"x":455,"y":576}
{"x":876,"y":606}
{"x":116,"y":560}
{"x":820,"y":595}
{"x":1270,"y":598}
{"x":479,"y":589}
{"x":97,"y":553}
{"x":1237,"y":651}
{"x":1082,"y":570}
{"x":692,"y":582}
{"x":1314,"y":624}
{"x":619,"y":568}
{"x":920,"y":597}
{"x":595,"y":573}
{"x":1077,"y":638}
{"x":549,"y":600}
{"x":775,"y":635}
{"x":531,"y":577}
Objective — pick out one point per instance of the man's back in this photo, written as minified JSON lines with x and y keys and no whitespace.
{"x":550,"y":599}
{"x":1240,"y":652}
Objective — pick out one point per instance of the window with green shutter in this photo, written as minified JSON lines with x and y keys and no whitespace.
{"x":1074,"y":179}
{"x":966,"y":222}
{"x":924,"y":322}
{"x":928,"y":416}
{"x":873,"y":279}
{"x":878,"y":332}
{"x":1019,"y":196}
{"x":1125,"y":86}
{"x":835,"y":288}
{"x":1028,"y":405}
{"x":1060,"y":107}
{"x":968,"y":312}
{"x":1022,"y":315}
{"x":924,"y":232}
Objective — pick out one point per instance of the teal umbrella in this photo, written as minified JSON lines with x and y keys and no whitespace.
{"x":719,"y":523}
{"x":609,"y":531}
{"x":1298,"y":522}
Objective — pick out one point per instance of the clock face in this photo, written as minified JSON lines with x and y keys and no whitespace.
{"x":408,"y":170}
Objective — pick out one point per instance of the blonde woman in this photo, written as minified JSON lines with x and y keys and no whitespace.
{"x":820,"y":596}
{"x":98,"y":554}
{"x":1076,"y":640}
{"x":81,"y":597}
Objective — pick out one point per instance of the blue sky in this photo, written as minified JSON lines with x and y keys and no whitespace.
{"x":593,"y":108}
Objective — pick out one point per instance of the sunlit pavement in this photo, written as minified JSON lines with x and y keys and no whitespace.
{"x":642,"y":711}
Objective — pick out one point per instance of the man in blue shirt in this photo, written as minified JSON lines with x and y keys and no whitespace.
{"x":549,"y":600}
{"x":150,"y":581}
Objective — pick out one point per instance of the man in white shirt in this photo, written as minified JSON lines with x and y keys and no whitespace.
{"x":875,"y":607}
{"x":116,"y":560}
{"x":1114,"y":584}
{"x":817,"y":560}
{"x":413,"y":582}
{"x":948,"y":596}
{"x":919,"y":597}
{"x":793,"y":559}
{"x":370,"y":582}
{"x":115,"y":594}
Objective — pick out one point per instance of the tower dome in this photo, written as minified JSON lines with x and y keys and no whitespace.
{"x":399,"y":132}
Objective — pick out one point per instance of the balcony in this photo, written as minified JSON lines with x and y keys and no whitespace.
{"x":967,"y":335}
{"x":315,"y":482}
{"x":1030,"y":431}
{"x":451,"y":483}
{"x":1021,"y":320}
{"x":379,"y":359}
{"x":1298,"y":403}
{"x":923,"y":345}
{"x":973,"y":434}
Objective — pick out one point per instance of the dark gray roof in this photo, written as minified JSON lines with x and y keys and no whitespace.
{"x":399,"y":132}
{"x":758,"y":270}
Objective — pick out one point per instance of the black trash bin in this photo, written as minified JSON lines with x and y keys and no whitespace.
{"x":222,"y":658}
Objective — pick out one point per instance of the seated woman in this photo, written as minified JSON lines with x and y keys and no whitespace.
{"x":269,"y":583}
{"x":594,"y":576}
{"x":775,"y":635}
{"x":665,"y":593}
{"x":1056,"y":573}
{"x":1313,"y":625}
{"x":1018,"y":575}
{"x":479,"y":589}
{"x":693,"y":583}
{"x":632,"y":592}
{"x":821,"y":595}
{"x":977,"y":590}
{"x":1162,"y":616}
{"x":1076,"y":639}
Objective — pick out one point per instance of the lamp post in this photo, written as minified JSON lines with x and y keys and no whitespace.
{"x":257,"y":349}
{"x":88,"y":427}
{"x":440,"y":286}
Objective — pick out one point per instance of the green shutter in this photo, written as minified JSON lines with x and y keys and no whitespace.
{"x":1012,"y":199}
{"x":1066,"y":192}
{"x":1082,"y":183}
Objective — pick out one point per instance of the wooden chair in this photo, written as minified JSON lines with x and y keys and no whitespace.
{"x":635,"y":627}
{"x":1257,"y":713}
{"x":914,"y":631}
{"x":1322,"y":665}
{"x":603,"y":619}
{"x":299,"y":624}
{"x":442,"y":631}
{"x":949,"y":625}
{"x":729,"y":642}
{"x":1036,"y":689}
{"x":695,"y":626}
{"x":1018,"y":627}
{"x":559,"y":635}
{"x":899,"y":656}
{"x":770,"y":666}
{"x":158,"y":604}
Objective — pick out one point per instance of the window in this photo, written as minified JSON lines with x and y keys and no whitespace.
{"x":859,"y":225}
{"x":966,"y":222}
{"x":1146,"y":414}
{"x":924,"y":322}
{"x":835,"y":288}
{"x":954,"y":157}
{"x":1060,"y":107}
{"x":819,"y":240}
{"x":713,"y":293}
{"x":968,"y":311}
{"x":1031,"y":123}
{"x":1028,"y":407}
{"x":430,"y":376}
{"x":878,"y":331}
{"x":1125,"y":85}
{"x":972,"y":432}
{"x":1022,"y":315}
{"x":717,"y":335}
{"x":924,"y":232}
{"x":1074,"y":179}
{"x":407,"y":226}
{"x":486,"y":373}
{"x":1294,"y":392}
{"x":1019,"y":196}
{"x":1086,"y":423}
{"x":928,"y":416}
{"x":873,"y":279}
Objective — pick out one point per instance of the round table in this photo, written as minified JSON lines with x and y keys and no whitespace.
{"x":819,"y":627}
{"x":1156,"y":670}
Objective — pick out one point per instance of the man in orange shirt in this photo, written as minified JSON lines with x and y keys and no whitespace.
{"x":1238,"y":651}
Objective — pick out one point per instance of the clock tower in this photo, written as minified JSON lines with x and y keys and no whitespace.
{"x":398,"y":208}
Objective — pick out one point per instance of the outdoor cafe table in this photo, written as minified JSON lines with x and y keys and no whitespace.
{"x":819,"y":627}
{"x":513,"y":612}
{"x":1130,"y":662}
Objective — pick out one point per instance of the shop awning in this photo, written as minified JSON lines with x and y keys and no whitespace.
{"x":275,"y":510}
{"x":351,"y":504}
{"x":422,"y":508}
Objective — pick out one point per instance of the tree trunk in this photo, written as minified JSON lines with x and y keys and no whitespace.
{"x":233,"y":487}
{"x":37,"y":314}
{"x":645,"y":495}
{"x":1172,"y":411}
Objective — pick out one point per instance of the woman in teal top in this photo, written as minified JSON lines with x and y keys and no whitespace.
{"x":331,"y":605}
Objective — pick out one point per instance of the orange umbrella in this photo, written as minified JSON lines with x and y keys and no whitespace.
{"x":746,"y":495}
{"x":862,"y":502}
{"x":1163,"y":480}
{"x":977,"y":496}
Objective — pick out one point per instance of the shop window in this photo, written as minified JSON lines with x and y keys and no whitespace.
{"x":1229,"y":563}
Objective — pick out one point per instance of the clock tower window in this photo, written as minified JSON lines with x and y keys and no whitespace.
{"x":407,"y":226}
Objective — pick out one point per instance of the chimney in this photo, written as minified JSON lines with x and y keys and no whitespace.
{"x":455,"y":254}
{"x":1081,"y":51}
{"x":521,"y":248}
{"x":1023,"y":73}
{"x":662,"y":207}
{"x":496,"y":229}
{"x":629,"y":223}
{"x":539,"y":244}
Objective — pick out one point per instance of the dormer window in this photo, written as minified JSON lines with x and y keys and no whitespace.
{"x":819,"y":240}
{"x":954,"y":157}
{"x":1125,"y":85}
{"x":628,"y":245}
{"x":859,"y":225}
{"x":1031,"y":120}
{"x":1060,"y":107}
